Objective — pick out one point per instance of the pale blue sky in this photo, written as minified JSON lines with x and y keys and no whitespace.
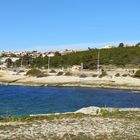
{"x":58,"y":24}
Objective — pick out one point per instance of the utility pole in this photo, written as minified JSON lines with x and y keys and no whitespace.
{"x":49,"y":58}
{"x":98,"y":62}
{"x":22,"y":62}
{"x":49,"y":63}
{"x":81,"y":67}
{"x":0,"y":64}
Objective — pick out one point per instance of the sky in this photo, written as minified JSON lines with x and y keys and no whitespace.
{"x":67,"y":24}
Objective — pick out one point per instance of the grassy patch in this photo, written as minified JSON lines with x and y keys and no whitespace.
{"x":116,"y":113}
{"x":47,"y":117}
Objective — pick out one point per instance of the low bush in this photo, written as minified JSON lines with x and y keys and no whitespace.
{"x":104,"y":112}
{"x":60,"y":73}
{"x":42,"y":75}
{"x":137,"y":74}
{"x":20,"y":71}
{"x":68,"y":74}
{"x":124,"y":75}
{"x":94,"y":75}
{"x":52,"y":71}
{"x":33,"y":72}
{"x":117,"y":75}
{"x":103,"y":74}
{"x":83,"y":76}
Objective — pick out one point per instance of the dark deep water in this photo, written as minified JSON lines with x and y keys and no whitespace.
{"x":20,"y":100}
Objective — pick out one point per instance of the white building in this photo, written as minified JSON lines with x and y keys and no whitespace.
{"x":108,"y":47}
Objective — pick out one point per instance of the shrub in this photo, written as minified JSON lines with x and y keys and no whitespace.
{"x":68,"y":74}
{"x":94,"y":75}
{"x":52,"y":71}
{"x":103,"y":74}
{"x":97,"y":111}
{"x":60,"y":73}
{"x":137,"y":74}
{"x":116,"y":110}
{"x":42,"y":75}
{"x":117,"y":75}
{"x":124,"y":75}
{"x":33,"y":72}
{"x":83,"y":76}
{"x":104,"y":112}
{"x":20,"y":71}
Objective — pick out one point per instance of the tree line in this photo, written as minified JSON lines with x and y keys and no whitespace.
{"x":119,"y":56}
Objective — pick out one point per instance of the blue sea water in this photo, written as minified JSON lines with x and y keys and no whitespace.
{"x":24,"y":100}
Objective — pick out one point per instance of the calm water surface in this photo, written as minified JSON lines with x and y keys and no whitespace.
{"x":18,"y":100}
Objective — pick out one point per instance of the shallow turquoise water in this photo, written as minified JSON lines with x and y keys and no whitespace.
{"x":20,"y":100}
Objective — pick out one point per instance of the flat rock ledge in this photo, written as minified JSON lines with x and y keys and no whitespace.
{"x":92,"y":110}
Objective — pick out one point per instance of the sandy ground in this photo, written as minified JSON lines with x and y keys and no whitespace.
{"x":108,"y":81}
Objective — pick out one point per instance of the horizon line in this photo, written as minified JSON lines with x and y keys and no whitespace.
{"x":74,"y":46}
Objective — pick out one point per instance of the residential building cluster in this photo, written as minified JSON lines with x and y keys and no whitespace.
{"x":14,"y":56}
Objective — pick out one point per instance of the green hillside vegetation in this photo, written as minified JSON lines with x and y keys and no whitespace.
{"x":120,"y":56}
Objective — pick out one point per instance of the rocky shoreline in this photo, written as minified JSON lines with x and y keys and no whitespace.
{"x":85,"y":124}
{"x":71,"y":81}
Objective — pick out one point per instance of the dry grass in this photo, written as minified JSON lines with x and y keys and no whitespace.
{"x":46,"y":117}
{"x":2,"y":74}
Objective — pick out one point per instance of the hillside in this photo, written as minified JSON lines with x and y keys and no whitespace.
{"x":120,"y":56}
